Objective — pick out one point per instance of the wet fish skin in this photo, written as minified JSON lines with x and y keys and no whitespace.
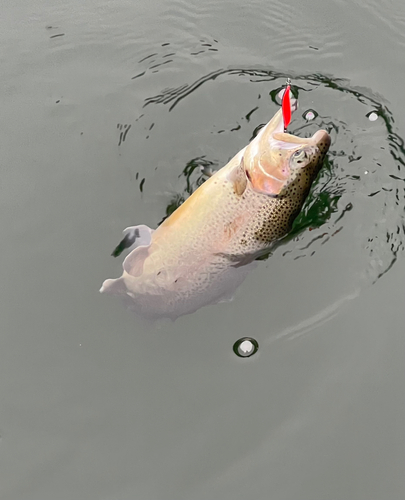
{"x":205,"y":248}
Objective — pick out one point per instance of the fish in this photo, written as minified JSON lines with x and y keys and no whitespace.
{"x":204,"y":250}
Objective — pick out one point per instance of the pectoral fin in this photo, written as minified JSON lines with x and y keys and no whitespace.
{"x":137,"y":239}
{"x":133,"y":264}
{"x":238,"y":178}
{"x":115,"y":287}
{"x":134,"y":236}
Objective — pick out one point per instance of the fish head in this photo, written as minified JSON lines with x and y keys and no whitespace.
{"x":280,"y":164}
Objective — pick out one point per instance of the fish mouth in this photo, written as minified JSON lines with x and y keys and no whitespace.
{"x":273,"y":155}
{"x":273,"y":139}
{"x":277,"y":138}
{"x":322,"y":140}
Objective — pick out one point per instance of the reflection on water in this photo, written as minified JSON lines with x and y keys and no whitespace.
{"x":315,"y":321}
{"x":364,"y":170}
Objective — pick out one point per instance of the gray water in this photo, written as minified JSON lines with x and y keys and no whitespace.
{"x":96,"y":403}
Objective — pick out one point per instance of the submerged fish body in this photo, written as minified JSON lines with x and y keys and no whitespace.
{"x":205,"y":249}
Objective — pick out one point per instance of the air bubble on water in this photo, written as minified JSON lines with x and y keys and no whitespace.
{"x":372,"y":116}
{"x":206,"y":170}
{"x":245,"y":347}
{"x":310,"y":114}
{"x":280,"y":94}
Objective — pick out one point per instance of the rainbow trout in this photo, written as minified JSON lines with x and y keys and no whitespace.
{"x":204,"y":250}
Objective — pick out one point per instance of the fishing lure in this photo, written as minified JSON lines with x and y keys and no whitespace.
{"x":286,"y":105}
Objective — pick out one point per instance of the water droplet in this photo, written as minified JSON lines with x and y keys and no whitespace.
{"x":372,"y":116}
{"x":310,"y":114}
{"x":245,"y":347}
{"x":365,"y":172}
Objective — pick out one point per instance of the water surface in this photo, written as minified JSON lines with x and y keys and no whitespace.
{"x":108,"y":111}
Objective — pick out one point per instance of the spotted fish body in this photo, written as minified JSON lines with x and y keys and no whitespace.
{"x":205,"y":249}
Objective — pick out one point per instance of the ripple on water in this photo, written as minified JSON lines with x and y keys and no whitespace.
{"x":386,"y":13}
{"x":364,"y":173}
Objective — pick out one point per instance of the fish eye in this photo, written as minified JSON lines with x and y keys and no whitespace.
{"x":300,"y":155}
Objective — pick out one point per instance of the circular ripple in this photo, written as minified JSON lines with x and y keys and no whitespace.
{"x":360,"y":191}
